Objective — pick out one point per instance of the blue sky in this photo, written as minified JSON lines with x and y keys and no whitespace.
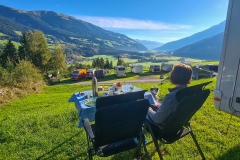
{"x":154,"y":20}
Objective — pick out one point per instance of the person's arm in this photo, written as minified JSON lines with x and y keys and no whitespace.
{"x":164,"y":110}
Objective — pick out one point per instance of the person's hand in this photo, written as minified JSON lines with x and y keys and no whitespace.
{"x":157,"y":105}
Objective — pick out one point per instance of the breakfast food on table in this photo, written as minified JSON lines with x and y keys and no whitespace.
{"x":119,"y":84}
{"x":117,"y":87}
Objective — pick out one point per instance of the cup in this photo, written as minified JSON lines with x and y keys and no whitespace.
{"x":100,"y":88}
{"x":90,"y":96}
{"x":154,"y":90}
{"x":110,"y":92}
{"x":105,"y":88}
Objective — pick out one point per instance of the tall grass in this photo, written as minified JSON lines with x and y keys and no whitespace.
{"x":44,"y":126}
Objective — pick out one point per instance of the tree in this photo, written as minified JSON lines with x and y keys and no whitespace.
{"x":9,"y":54}
{"x":59,"y":59}
{"x":79,"y":66}
{"x":37,"y":48}
{"x":107,"y":64}
{"x":22,"y":49}
{"x":101,"y":63}
{"x":111,"y":65}
{"x":97,"y":62}
{"x":94,"y":63}
{"x":121,"y":62}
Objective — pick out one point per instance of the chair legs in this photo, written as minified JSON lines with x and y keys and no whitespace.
{"x":157,"y":148}
{"x":90,"y":154}
{"x":198,"y":147}
{"x":155,"y":141}
{"x":144,"y":146}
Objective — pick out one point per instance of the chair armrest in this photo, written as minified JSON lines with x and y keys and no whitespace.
{"x":188,"y":126}
{"x":88,"y":128}
{"x":149,"y":120}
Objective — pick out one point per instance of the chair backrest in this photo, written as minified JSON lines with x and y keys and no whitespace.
{"x":121,"y":98}
{"x":190,"y":90}
{"x":188,"y":105}
{"x":119,"y":122}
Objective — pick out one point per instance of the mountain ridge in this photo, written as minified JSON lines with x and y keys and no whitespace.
{"x":59,"y":27}
{"x":208,"y":48}
{"x":174,"y":45}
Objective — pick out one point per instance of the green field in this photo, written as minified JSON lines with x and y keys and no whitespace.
{"x":44,"y":126}
{"x":18,"y":33}
{"x":4,"y":42}
{"x":1,"y":34}
{"x":172,"y":60}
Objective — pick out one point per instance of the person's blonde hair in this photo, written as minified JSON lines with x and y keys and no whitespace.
{"x":181,"y":74}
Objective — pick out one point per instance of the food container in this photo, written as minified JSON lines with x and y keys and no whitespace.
{"x":100,"y":88}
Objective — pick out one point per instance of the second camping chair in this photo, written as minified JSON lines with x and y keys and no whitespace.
{"x":177,"y":125}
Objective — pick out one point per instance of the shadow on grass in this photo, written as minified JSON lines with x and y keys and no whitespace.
{"x":56,"y":150}
{"x":231,"y":154}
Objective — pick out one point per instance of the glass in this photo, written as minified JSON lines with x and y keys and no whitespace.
{"x":154,"y":90}
{"x":110,"y":91}
{"x":100,"y":88}
{"x":105,"y":88}
{"x":90,"y":96}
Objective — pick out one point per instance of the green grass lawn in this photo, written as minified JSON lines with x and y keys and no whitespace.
{"x":1,"y":34}
{"x":171,"y":59}
{"x":44,"y":126}
{"x":18,"y":33}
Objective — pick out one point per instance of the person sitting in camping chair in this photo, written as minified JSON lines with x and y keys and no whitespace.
{"x":181,"y":76}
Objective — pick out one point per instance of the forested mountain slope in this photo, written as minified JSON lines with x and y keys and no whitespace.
{"x":77,"y":36}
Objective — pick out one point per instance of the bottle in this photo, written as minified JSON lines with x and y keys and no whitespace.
{"x":94,"y":86}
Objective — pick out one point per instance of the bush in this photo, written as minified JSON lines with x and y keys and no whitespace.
{"x":26,"y":74}
{"x":6,"y":78}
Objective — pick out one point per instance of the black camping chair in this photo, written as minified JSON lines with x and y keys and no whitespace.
{"x":177,"y":125}
{"x":121,"y":98}
{"x":116,"y":127}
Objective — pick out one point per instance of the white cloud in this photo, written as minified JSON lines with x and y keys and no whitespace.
{"x":125,"y":23}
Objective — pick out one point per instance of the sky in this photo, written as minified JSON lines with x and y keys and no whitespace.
{"x":154,"y":20}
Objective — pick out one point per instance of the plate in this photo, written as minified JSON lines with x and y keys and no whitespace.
{"x":90,"y":102}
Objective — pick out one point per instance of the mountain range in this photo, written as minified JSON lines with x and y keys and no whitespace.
{"x":149,"y":44}
{"x":208,"y":48}
{"x":76,"y":35}
{"x":174,"y":45}
{"x":83,"y":38}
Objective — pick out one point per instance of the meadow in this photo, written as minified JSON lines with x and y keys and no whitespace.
{"x":111,"y":76}
{"x":4,"y":42}
{"x":44,"y":126}
{"x":171,"y":59}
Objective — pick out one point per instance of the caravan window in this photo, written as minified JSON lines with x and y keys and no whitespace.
{"x":74,"y":74}
{"x":121,"y":69}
